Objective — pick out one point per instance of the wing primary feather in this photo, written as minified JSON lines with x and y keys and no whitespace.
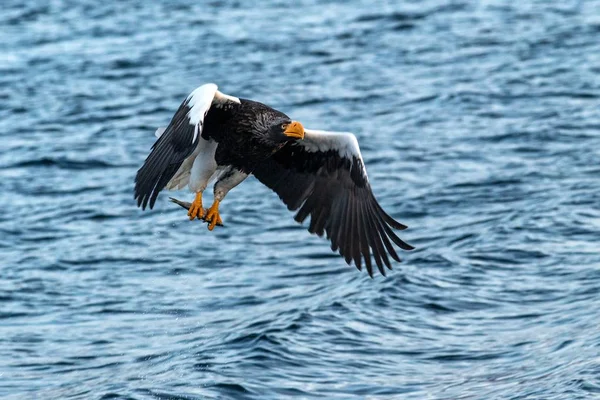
{"x":399,"y":242}
{"x":344,"y":240}
{"x":334,"y":220}
{"x":375,"y":244}
{"x":317,"y":211}
{"x":348,"y":231}
{"x":384,"y":237}
{"x":340,"y":207}
{"x":357,"y":227}
{"x":153,"y":194}
{"x":379,"y":241}
{"x":154,"y":168}
{"x":302,"y":197}
{"x":306,"y":209}
{"x":164,"y":179}
{"x":148,"y":169}
{"x":342,"y":225}
{"x":391,"y":221}
{"x":321,"y":220}
{"x":377,"y":250}
{"x":157,"y":173}
{"x":369,"y":234}
{"x":351,"y":229}
{"x":325,"y":214}
{"x":364,"y":240}
{"x":150,"y":173}
{"x":313,"y":218}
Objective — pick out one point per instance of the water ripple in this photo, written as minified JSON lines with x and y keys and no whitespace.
{"x":479,"y":125}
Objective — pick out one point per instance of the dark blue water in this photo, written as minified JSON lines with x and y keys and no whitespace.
{"x":480,"y":126}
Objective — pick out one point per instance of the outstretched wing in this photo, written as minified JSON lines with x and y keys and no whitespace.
{"x":324,"y":176}
{"x":175,"y":143}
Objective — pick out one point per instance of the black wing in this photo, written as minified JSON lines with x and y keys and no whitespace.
{"x":324,"y":176}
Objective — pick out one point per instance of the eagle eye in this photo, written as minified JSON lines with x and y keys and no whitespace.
{"x":283,"y":126}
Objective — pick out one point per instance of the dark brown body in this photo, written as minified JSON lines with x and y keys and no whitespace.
{"x":241,"y":133}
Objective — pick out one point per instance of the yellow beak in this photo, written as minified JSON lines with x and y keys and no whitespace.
{"x":294,"y":130}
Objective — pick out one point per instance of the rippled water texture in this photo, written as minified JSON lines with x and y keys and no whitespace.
{"x":480,"y":126}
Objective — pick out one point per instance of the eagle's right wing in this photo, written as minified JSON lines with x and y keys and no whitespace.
{"x":324,"y":176}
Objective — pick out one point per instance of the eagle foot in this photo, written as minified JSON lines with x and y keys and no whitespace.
{"x":196,"y":210}
{"x":212,"y":216}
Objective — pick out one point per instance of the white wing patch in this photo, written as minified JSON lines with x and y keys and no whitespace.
{"x":199,"y":101}
{"x":344,"y":143}
{"x":160,"y":131}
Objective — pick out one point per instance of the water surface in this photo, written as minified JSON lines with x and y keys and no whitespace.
{"x":479,"y":123}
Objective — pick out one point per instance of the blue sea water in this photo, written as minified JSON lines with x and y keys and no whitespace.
{"x":479,"y":122}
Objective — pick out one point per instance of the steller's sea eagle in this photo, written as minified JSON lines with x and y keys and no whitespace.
{"x":318,"y":173}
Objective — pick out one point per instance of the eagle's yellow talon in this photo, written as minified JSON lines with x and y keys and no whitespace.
{"x":212,"y":216}
{"x":196,"y":210}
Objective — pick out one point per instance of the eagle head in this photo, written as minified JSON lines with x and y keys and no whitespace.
{"x":284,"y":130}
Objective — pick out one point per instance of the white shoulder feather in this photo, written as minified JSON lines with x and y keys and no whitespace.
{"x":344,"y":143}
{"x":221,"y":98}
{"x":199,"y":101}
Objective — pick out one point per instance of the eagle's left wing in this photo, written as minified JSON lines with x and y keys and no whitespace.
{"x":170,"y":160}
{"x":324,"y":176}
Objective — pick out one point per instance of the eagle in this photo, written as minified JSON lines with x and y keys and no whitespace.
{"x":221,"y":138}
